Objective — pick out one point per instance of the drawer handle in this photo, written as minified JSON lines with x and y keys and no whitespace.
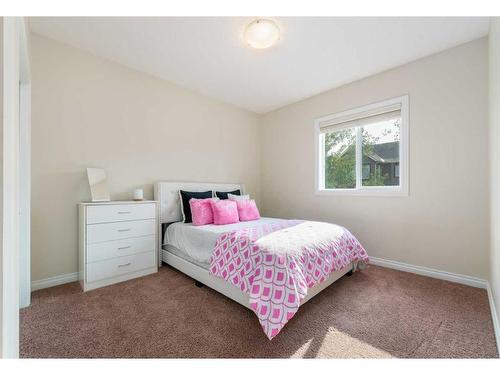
{"x":124,"y":265}
{"x":124,"y":247}
{"x":124,"y":230}
{"x":124,"y":212}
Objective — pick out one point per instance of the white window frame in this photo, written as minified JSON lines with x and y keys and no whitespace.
{"x":352,"y":114}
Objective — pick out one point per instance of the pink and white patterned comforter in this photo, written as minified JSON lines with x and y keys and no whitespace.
{"x":276,"y":262}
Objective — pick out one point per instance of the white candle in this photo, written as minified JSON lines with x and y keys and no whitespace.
{"x":138,"y":195}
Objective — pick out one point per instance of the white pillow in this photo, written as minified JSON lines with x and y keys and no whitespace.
{"x":233,"y":197}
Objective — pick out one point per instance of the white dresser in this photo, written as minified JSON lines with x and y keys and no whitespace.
{"x":117,"y":242}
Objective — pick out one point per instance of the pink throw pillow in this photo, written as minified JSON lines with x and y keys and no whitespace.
{"x":201,"y":211}
{"x":247,"y":210}
{"x":225,"y":212}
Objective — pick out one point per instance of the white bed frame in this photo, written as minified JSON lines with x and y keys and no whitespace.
{"x":167,"y":195}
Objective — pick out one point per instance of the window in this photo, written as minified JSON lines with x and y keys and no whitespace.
{"x":364,"y":151}
{"x":396,"y":170}
{"x":366,"y":171}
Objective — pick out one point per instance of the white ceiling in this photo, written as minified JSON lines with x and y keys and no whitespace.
{"x":314,"y":54}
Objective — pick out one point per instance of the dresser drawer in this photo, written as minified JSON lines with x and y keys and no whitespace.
{"x":120,"y":230}
{"x":120,"y":212}
{"x":119,"y":266}
{"x":112,"y":249}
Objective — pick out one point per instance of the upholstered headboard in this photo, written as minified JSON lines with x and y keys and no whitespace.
{"x":167,"y":195}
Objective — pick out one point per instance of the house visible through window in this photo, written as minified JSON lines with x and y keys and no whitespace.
{"x":363,"y":150}
{"x":366,"y":171}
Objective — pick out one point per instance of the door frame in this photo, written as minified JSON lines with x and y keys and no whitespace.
{"x":24,"y":170}
{"x":14,"y":51}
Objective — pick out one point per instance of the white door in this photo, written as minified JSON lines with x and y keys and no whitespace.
{"x":10,"y":248}
{"x":15,"y":79}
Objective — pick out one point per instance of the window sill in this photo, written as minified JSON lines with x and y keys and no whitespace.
{"x":367,"y":192}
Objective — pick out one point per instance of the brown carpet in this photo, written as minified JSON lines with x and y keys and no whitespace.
{"x":375,"y":313}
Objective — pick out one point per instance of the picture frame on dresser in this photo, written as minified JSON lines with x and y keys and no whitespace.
{"x":117,"y":242}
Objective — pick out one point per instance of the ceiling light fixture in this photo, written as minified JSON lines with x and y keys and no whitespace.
{"x":262,"y":33}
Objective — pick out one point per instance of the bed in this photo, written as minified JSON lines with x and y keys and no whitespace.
{"x":250,"y":262}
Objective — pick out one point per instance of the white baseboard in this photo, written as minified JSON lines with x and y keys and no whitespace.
{"x":54,"y":281}
{"x":494,"y":315}
{"x":431,"y":272}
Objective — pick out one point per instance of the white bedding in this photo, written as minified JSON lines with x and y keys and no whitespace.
{"x":198,"y":242}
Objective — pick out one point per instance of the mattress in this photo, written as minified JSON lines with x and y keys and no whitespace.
{"x":196,"y":243}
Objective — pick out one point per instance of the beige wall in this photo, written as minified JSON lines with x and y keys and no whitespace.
{"x":494,"y":69}
{"x":444,"y":222}
{"x":91,"y":112}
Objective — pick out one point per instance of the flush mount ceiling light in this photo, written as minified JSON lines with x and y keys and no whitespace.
{"x":262,"y":33}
